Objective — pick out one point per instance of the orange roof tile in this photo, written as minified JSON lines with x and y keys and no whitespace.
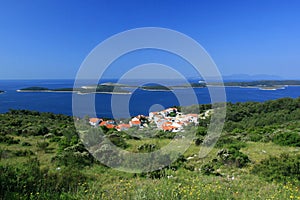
{"x":110,"y":126}
{"x":94,"y":120}
{"x":168,"y":128}
{"x":124,"y":125}
{"x":103,"y":123}
{"x":135,"y":122}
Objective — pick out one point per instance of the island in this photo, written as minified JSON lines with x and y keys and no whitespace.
{"x":263,"y":84}
{"x":155,"y":88}
{"x":82,"y":90}
{"x":1,"y":91}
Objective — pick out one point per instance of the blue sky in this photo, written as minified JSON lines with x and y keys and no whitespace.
{"x":50,"y":38}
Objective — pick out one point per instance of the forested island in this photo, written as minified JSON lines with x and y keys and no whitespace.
{"x":264,"y":84}
{"x":82,"y":90}
{"x":155,"y":88}
{"x":108,"y":88}
{"x":256,"y":157}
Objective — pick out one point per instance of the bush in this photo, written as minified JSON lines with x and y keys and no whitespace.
{"x":75,"y":156}
{"x":146,"y":148}
{"x":118,"y":141}
{"x":287,"y":139}
{"x":23,"y":153}
{"x":42,"y":145}
{"x":283,"y":168}
{"x":8,"y":140}
{"x":233,"y":157}
{"x":26,"y":144}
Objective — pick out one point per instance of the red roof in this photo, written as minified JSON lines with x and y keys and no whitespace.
{"x":168,"y":128}
{"x":103,"y":123}
{"x":135,"y":122}
{"x":110,"y":126}
{"x":94,"y":120}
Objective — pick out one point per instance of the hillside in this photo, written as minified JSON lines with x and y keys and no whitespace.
{"x":256,"y":157}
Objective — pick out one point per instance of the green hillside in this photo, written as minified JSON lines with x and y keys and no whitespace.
{"x":256,"y":157}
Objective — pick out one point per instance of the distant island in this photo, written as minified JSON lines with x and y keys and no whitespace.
{"x":263,"y":84}
{"x":82,"y":90}
{"x":1,"y":91}
{"x":112,"y":88}
{"x":155,"y":88}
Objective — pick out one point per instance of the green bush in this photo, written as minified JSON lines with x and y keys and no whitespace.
{"x":287,"y":139}
{"x":23,"y":153}
{"x":233,"y":157}
{"x":146,"y":148}
{"x":26,"y":144}
{"x":283,"y":168}
{"x":8,"y":140}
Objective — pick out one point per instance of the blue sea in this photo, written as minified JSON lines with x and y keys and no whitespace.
{"x":139,"y":102}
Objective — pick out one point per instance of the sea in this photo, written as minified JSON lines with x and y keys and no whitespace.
{"x":120,"y":105}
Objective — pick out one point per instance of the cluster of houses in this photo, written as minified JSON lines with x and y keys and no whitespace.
{"x":168,"y":120}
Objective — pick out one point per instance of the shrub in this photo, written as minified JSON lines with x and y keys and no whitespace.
{"x":76,"y":156}
{"x":118,"y":141}
{"x":233,"y":157}
{"x":283,"y":168}
{"x":26,"y":144}
{"x":8,"y":140}
{"x":287,"y":139}
{"x":146,"y":148}
{"x":23,"y":153}
{"x":42,"y":145}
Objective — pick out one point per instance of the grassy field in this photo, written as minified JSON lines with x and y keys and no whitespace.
{"x":256,"y":157}
{"x":184,"y":183}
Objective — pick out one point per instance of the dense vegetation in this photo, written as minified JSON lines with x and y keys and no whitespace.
{"x":256,"y":157}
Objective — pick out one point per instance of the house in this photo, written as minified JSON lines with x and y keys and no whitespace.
{"x":108,"y":124}
{"x":123,"y":127}
{"x":95,"y":121}
{"x":171,"y":126}
{"x":135,"y":122}
{"x":192,"y":118}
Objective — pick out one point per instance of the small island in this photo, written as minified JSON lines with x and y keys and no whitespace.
{"x":263,"y":84}
{"x":155,"y":88}
{"x":1,"y":91}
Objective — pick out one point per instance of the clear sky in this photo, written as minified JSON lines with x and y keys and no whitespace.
{"x":50,"y":38}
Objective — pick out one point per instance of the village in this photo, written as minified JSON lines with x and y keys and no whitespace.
{"x":168,"y":120}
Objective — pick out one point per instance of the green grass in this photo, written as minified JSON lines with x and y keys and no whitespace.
{"x":258,"y":151}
